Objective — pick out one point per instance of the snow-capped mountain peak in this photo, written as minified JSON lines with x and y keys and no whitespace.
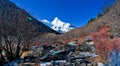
{"x":58,"y":25}
{"x":57,"y":22}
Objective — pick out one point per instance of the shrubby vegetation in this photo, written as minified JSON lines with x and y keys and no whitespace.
{"x":107,"y":48}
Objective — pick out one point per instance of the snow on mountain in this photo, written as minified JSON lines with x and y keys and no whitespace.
{"x":58,"y":25}
{"x":46,"y":22}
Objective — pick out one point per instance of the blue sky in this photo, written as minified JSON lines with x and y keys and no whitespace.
{"x":77,"y":12}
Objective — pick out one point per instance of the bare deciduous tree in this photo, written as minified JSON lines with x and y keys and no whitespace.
{"x":16,"y":34}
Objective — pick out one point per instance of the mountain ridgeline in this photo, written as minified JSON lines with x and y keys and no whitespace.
{"x":110,"y":17}
{"x":10,"y":13}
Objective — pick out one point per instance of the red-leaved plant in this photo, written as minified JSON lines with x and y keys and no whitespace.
{"x":104,"y":45}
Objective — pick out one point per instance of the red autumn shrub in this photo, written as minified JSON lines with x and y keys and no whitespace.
{"x":102,"y":43}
